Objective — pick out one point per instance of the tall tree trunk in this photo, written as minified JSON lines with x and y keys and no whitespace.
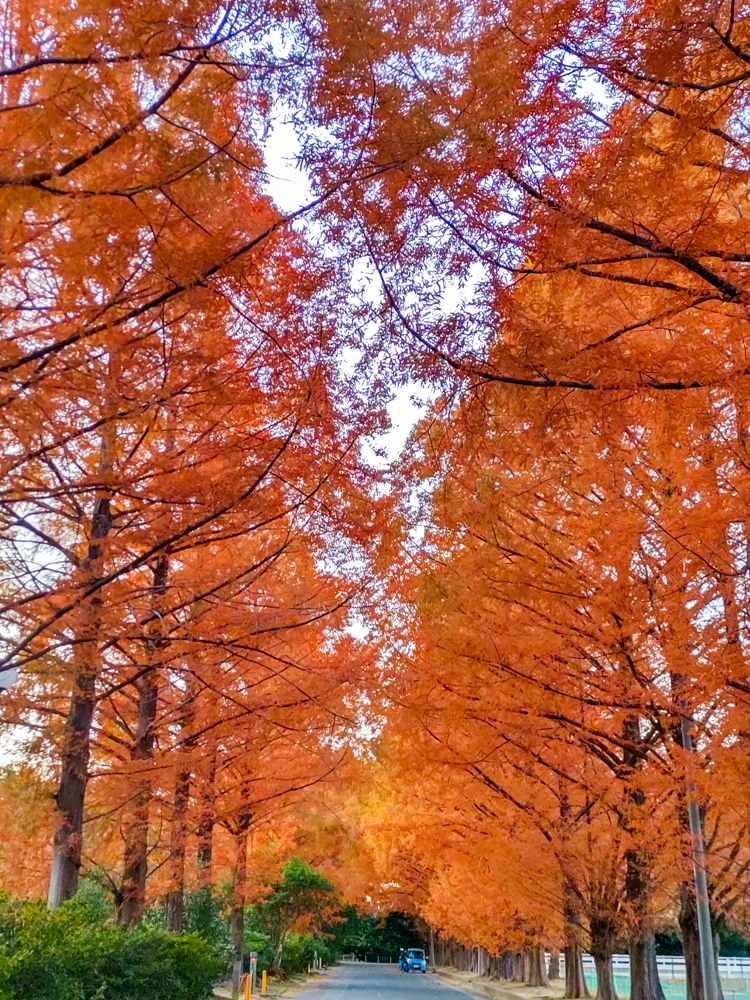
{"x":177,"y":848}
{"x":181,"y":802}
{"x":602,"y":947}
{"x":575,"y":981}
{"x":526,"y":965}
{"x":644,"y":975}
{"x":179,"y":825}
{"x":206,"y":823}
{"x":554,"y":964}
{"x":653,"y":982}
{"x":76,"y":747}
{"x":688,"y":915}
{"x":644,"y":972}
{"x":237,"y":912}
{"x":538,"y":968}
{"x":691,"y":947}
{"x":605,"y":983}
{"x":135,"y":868}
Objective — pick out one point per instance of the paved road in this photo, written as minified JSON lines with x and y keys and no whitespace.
{"x":380,"y":982}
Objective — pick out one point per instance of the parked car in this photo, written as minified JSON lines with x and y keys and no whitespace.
{"x":412,"y":960}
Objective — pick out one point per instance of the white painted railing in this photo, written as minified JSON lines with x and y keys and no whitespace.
{"x":672,"y":966}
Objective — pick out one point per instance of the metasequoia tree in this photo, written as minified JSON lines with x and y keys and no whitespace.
{"x":583,"y":574}
{"x":507,"y":124}
{"x":167,"y":368}
{"x":591,"y":553}
{"x":606,"y":243}
{"x":185,"y":514}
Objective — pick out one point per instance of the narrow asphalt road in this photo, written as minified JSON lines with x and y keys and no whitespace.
{"x":379,"y":982}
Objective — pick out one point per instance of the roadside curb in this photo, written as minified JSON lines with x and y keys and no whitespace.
{"x":497,"y":991}
{"x":278,"y":990}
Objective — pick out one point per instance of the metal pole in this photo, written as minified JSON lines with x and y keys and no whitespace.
{"x":705,"y":934}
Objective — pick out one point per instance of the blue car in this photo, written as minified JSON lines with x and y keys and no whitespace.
{"x":413,"y":960}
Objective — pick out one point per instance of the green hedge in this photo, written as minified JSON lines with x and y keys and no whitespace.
{"x":73,"y":955}
{"x":300,"y":949}
{"x":297,"y":955}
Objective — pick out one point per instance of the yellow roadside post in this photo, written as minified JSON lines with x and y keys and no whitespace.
{"x":263,"y":984}
{"x":248,"y":986}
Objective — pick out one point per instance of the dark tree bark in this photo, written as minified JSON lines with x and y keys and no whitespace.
{"x":653,"y":983}
{"x":575,"y":981}
{"x":526,"y":965}
{"x":602,"y":947}
{"x":179,"y":826}
{"x":688,"y":920}
{"x":554,"y":964}
{"x":177,"y":848}
{"x":688,"y":915}
{"x":605,"y":983}
{"x":206,"y":823}
{"x":644,"y":972}
{"x":537,"y":967}
{"x":135,"y":868}
{"x":691,"y":948}
{"x":237,"y":912}
{"x":76,"y":747}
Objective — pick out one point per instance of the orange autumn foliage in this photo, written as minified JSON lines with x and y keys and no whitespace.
{"x":537,"y":210}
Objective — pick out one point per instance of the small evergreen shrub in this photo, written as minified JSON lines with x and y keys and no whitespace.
{"x":300,"y":950}
{"x":72,"y":954}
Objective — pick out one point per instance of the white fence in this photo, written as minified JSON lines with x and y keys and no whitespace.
{"x":353,"y":960}
{"x":671,"y":966}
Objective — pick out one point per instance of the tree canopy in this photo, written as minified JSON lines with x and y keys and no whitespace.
{"x":486,"y":681}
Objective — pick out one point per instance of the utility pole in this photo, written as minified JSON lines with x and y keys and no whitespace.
{"x":705,"y":934}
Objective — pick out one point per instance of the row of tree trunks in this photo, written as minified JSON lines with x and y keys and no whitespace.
{"x":528,"y":966}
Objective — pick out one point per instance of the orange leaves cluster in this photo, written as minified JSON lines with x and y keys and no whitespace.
{"x":182,"y":484}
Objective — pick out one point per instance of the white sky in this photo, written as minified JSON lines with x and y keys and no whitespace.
{"x":289,"y":187}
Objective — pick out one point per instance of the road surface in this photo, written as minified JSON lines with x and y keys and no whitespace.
{"x":380,"y":982}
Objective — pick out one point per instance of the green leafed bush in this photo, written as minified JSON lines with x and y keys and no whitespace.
{"x":300,"y":949}
{"x":72,"y":954}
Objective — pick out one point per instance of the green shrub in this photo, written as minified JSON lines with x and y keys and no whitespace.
{"x":260,"y":943}
{"x":204,"y":915}
{"x":300,"y":950}
{"x":67,"y":955}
